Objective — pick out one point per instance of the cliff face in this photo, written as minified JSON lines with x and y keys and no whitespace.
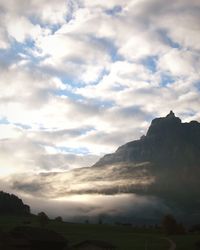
{"x":168,"y":142}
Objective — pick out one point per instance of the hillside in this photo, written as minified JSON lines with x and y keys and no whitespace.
{"x":11,"y":204}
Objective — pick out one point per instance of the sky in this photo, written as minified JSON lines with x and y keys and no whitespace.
{"x":80,"y":78}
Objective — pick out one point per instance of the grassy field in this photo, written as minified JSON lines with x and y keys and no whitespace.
{"x":125,"y":238}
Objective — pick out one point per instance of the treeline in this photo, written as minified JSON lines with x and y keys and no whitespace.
{"x":11,"y":204}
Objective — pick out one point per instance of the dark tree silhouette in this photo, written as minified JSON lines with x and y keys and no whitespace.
{"x":87,"y":221}
{"x":59,"y":219}
{"x":169,"y":224}
{"x":180,"y":229}
{"x":100,"y":221}
{"x":11,"y":204}
{"x":43,"y":219}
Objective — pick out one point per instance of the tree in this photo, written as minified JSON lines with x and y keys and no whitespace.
{"x":169,"y":224}
{"x":43,"y":219}
{"x":58,"y":219}
{"x":100,"y":221}
{"x":180,"y":229}
{"x":87,"y":221}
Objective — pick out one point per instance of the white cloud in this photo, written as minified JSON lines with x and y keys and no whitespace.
{"x":53,"y":11}
{"x":180,"y":63}
{"x":3,"y":40}
{"x":25,"y":151}
{"x":25,"y":86}
{"x":122,"y":75}
{"x":18,"y":152}
{"x":21,"y":29}
{"x":8,"y":131}
{"x":80,"y":56}
{"x":182,"y":23}
{"x":143,"y":44}
{"x":104,"y":4}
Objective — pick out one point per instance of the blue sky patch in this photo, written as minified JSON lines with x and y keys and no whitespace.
{"x":166,"y":79}
{"x":114,"y":11}
{"x":81,"y":150}
{"x":150,"y":62}
{"x":4,"y":121}
{"x":168,"y":40}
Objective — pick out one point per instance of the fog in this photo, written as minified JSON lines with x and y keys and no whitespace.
{"x":122,"y":207}
{"x":111,"y":208}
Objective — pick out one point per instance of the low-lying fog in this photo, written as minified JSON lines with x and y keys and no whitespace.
{"x":51,"y":193}
{"x":110,"y":208}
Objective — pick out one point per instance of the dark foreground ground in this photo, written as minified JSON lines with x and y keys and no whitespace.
{"x":124,"y":237}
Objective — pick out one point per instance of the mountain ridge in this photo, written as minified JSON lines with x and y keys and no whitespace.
{"x":159,"y":140}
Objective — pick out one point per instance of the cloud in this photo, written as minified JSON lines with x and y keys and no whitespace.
{"x":181,"y":63}
{"x":52,"y":12}
{"x":3,"y":40}
{"x":111,"y":179}
{"x":31,"y":155}
{"x":181,"y":23}
{"x":21,"y":29}
{"x":123,"y":76}
{"x":84,"y":63}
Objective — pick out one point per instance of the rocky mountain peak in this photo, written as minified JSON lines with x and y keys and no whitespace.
{"x":168,"y":142}
{"x":171,"y":114}
{"x":160,"y":125}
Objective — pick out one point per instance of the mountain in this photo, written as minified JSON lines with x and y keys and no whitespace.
{"x":168,"y":142}
{"x":165,"y":163}
{"x":168,"y":157}
{"x":11,"y":204}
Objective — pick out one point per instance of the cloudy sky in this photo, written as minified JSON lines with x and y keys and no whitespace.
{"x":80,"y":78}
